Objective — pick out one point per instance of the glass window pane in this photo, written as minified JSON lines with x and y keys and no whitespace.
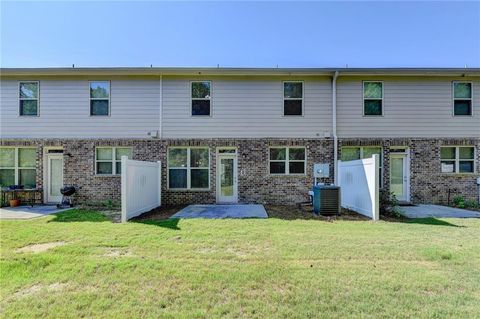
{"x":27,"y":157}
{"x":277,"y":167}
{"x":99,"y":90}
{"x":466,"y":167}
{"x":26,"y":177}
{"x":373,"y":107}
{"x":123,"y":151}
{"x":177,"y":157}
{"x":350,"y":153}
{"x":201,"y":90}
{"x":7,"y":157}
{"x":296,"y":154}
{"x":28,"y":107}
{"x":448,"y":166}
{"x":201,"y":107}
{"x":293,"y":90}
{"x":29,"y":90}
{"x":199,"y":157}
{"x":292,"y":107}
{"x":118,"y":167}
{"x":104,"y":153}
{"x":372,"y":90}
{"x":447,"y":153}
{"x":98,"y":107}
{"x":369,"y":151}
{"x":296,"y":167}
{"x":278,"y":154}
{"x":104,"y":168}
{"x":462,"y":90}
{"x":466,"y":153}
{"x":177,"y":178}
{"x":7,"y":177}
{"x":199,"y":178}
{"x":462,"y":107}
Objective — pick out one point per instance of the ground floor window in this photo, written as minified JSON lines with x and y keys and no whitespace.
{"x":287,"y":160}
{"x":108,"y":160}
{"x":17,"y":166}
{"x":188,"y":168}
{"x":457,"y":159}
{"x":350,"y":153}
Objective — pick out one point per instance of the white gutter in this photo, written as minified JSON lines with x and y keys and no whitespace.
{"x":334,"y":127}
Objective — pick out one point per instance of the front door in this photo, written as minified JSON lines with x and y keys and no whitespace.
{"x":399,"y":176}
{"x":54,"y":178}
{"x":227,"y":190}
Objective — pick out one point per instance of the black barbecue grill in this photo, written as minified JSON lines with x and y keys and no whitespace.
{"x":67,"y":192}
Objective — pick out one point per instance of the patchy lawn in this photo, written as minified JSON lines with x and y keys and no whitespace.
{"x":79,"y":264}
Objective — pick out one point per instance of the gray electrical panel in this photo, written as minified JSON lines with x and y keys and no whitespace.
{"x":321,"y":170}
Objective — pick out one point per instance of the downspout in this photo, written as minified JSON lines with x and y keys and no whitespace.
{"x":334,"y":128}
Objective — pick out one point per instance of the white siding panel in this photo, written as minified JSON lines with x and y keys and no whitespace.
{"x":246,"y":107}
{"x":413,"y":107}
{"x":65,"y":110}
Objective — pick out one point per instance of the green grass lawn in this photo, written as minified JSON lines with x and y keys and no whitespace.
{"x":240,"y":268}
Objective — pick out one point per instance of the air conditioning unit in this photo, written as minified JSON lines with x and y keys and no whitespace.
{"x":326,"y":200}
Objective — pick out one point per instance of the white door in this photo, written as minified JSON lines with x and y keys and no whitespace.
{"x":399,"y":176}
{"x":54,"y":178}
{"x":227,"y":188}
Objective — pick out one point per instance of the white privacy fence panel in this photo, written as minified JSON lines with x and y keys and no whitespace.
{"x":359,"y":184}
{"x":141,"y":187}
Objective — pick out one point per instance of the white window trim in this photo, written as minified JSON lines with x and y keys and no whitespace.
{"x":201,"y":99}
{"x":381,"y":158}
{"x":457,"y":160}
{"x":293,"y":99}
{"x":462,"y":99}
{"x":287,"y":161}
{"x":113,"y":160}
{"x":29,"y":99}
{"x":90,"y":98}
{"x":188,"y":168}
{"x":382,"y":99}
{"x":17,"y":167}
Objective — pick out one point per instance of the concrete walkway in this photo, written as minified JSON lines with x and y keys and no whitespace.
{"x":222,"y":211}
{"x":437,"y":211}
{"x":28,"y":212}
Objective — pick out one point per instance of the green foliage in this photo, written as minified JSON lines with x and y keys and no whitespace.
{"x":389,"y":204}
{"x":471,"y":203}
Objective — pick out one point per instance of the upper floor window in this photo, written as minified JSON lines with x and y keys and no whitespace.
{"x":287,"y":160}
{"x":100,"y":98}
{"x":462,"y":98}
{"x":188,"y":168}
{"x":108,"y":160}
{"x":18,"y":166}
{"x":293,"y":98}
{"x":372,"y":98}
{"x":28,"y":94}
{"x":457,"y":159}
{"x":201,"y":98}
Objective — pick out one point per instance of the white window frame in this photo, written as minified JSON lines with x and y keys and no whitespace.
{"x":201,"y":99}
{"x":462,"y":99}
{"x":188,"y":168}
{"x":114,"y":161}
{"x":457,"y":159}
{"x":99,"y":99}
{"x":293,"y":99}
{"x":29,"y":99}
{"x":382,"y":99}
{"x":361,"y":157}
{"x":17,"y":166}
{"x":287,"y":161}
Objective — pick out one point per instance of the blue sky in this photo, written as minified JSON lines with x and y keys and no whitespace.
{"x":243,"y":34}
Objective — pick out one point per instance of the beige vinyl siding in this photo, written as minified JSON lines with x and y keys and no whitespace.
{"x":64,"y":109}
{"x":413,"y":107}
{"x":246,"y":107}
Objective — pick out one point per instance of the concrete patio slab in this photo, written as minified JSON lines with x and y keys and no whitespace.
{"x":437,"y":211}
{"x":28,"y":212}
{"x":222,"y":211}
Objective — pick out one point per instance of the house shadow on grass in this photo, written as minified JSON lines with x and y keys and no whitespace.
{"x":429,"y":221}
{"x":79,"y":215}
{"x":166,"y":223}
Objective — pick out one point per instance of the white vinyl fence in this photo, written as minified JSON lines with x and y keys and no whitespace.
{"x":141,"y":187}
{"x":359,"y":184}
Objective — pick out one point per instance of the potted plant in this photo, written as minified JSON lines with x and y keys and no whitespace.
{"x":14,"y":201}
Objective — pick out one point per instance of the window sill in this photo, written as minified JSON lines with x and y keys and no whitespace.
{"x":107,"y":175}
{"x":458,"y":174}
{"x":191,"y":190}
{"x":287,"y":175}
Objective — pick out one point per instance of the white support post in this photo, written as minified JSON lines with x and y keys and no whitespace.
{"x":124,"y":180}
{"x":159,"y":182}
{"x":376,"y":197}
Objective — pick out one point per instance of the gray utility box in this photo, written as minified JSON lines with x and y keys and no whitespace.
{"x":326,"y":200}
{"x":321,"y":170}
